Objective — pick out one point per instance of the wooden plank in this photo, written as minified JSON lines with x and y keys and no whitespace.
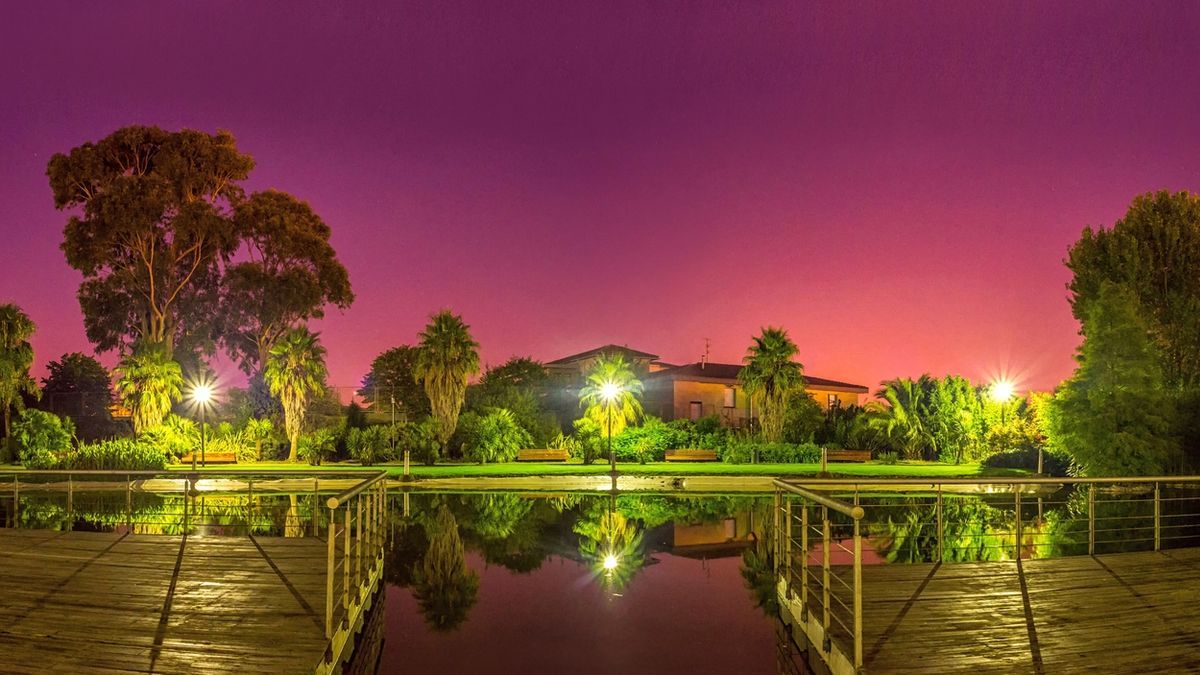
{"x":115,"y":602}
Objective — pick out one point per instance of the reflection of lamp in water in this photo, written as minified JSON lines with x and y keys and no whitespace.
{"x":610,"y":562}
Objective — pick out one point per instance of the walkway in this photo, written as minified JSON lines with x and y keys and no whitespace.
{"x":89,"y":601}
{"x":1130,"y":612}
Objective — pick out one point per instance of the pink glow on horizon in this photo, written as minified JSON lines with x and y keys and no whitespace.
{"x":897,"y":186}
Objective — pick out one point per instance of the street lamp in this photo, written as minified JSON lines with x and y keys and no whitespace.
{"x":609,"y":391}
{"x":201,"y":396}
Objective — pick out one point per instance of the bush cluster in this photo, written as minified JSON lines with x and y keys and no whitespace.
{"x":119,"y":454}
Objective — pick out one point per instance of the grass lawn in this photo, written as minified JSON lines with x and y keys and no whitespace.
{"x":901,"y":469}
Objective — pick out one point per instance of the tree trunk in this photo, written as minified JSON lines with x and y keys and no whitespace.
{"x":292,"y":453}
{"x":7,"y":421}
{"x":258,"y":449}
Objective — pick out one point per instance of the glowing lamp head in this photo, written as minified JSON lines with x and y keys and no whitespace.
{"x":610,"y":562}
{"x":202,"y":393}
{"x":1002,"y":390}
{"x":610,"y":390}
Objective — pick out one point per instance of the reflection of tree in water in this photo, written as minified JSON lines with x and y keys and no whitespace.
{"x":612,"y":545}
{"x":496,"y":516}
{"x":445,"y":588}
{"x":758,"y":563}
{"x":905,"y":530}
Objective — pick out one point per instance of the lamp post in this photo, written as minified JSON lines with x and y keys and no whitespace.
{"x":202,"y":395}
{"x":609,"y":392}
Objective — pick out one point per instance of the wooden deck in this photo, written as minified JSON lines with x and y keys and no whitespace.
{"x":89,"y":602}
{"x":1128,"y":613}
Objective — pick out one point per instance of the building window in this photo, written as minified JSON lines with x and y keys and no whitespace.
{"x":834,"y":402}
{"x":730,"y":397}
{"x":695,"y":410}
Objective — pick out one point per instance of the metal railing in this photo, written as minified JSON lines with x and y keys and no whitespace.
{"x":1032,"y":517}
{"x":182,"y":502}
{"x":811,"y":516}
{"x":355,"y":539}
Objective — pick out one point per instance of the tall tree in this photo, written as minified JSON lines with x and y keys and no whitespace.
{"x":287,"y":273}
{"x":519,"y":385}
{"x":902,"y":417}
{"x":392,"y":376}
{"x":295,"y":371}
{"x":1115,"y":416}
{"x":150,"y":381}
{"x":770,"y":376}
{"x":610,"y":394}
{"x":16,"y":356}
{"x":956,"y":422}
{"x":448,"y":356}
{"x":1154,"y":253}
{"x":79,"y":387}
{"x":151,"y":225}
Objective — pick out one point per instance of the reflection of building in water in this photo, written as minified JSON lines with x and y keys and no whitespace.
{"x":727,"y":537}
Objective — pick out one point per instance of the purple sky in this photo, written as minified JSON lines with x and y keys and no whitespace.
{"x":896,"y":184}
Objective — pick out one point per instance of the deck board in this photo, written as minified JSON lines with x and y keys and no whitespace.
{"x":112,"y":602}
{"x":1127,"y":612}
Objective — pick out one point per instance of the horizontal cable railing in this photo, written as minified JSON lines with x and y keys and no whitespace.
{"x":837,"y":601}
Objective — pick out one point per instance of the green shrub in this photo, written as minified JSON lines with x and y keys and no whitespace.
{"x":587,"y":442}
{"x":648,"y":442}
{"x":175,"y":437}
{"x":1053,"y":463}
{"x":494,"y":437}
{"x":370,"y":445}
{"x":421,"y":439}
{"x":887,"y":458}
{"x":120,"y":454}
{"x":317,"y":446}
{"x":41,"y":438}
{"x":744,"y":451}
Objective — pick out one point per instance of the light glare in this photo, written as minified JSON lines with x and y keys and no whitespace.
{"x":1002,"y":390}
{"x":610,"y":562}
{"x":610,"y":390}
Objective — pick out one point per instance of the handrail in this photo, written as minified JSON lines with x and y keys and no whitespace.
{"x":853,"y":510}
{"x":336,"y":500}
{"x":851,"y":481}
{"x":349,"y":473}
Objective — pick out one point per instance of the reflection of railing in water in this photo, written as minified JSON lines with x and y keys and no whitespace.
{"x":209,"y":503}
{"x":1006,"y":519}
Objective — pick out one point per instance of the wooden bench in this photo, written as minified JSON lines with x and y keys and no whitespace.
{"x":210,"y":458}
{"x":691,"y":455}
{"x":848,"y":455}
{"x":543,"y":455}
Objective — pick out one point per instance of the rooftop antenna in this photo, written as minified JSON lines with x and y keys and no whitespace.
{"x":704,"y":358}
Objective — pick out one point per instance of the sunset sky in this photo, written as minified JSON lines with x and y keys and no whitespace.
{"x":896,"y":185}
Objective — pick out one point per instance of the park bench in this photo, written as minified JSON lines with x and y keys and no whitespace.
{"x":210,"y":458}
{"x":691,"y":455}
{"x":543,"y":455}
{"x":848,"y":455}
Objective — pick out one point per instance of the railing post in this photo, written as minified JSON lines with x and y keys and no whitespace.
{"x":858,"y":595}
{"x":70,"y":504}
{"x":941,"y":542}
{"x":331,"y":545}
{"x":826,"y":537}
{"x":128,"y":503}
{"x":803,"y":558}
{"x":787,"y":547}
{"x":777,"y":529}
{"x":358,"y":542}
{"x":1091,"y":519}
{"x":1157,"y":517}
{"x":16,"y":502}
{"x":1017,"y":526}
{"x":346,"y":566}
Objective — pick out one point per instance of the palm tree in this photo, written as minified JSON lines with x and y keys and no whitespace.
{"x":609,"y":395}
{"x":295,"y":370}
{"x":150,"y":381}
{"x":259,"y":431}
{"x":446,"y":358}
{"x":444,"y":587}
{"x":770,"y":376}
{"x":16,"y":356}
{"x":902,"y":417}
